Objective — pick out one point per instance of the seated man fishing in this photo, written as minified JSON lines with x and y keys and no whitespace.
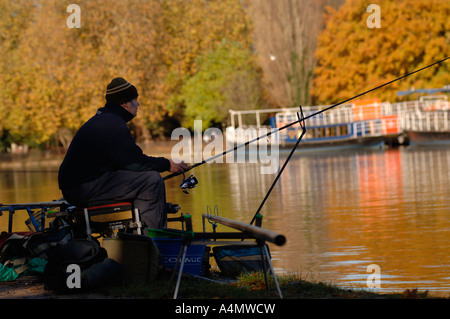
{"x":103,"y":161}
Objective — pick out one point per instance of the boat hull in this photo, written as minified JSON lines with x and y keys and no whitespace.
{"x":339,"y":145}
{"x":428,"y":138}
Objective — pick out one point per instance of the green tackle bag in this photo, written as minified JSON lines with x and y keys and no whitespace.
{"x":7,"y":273}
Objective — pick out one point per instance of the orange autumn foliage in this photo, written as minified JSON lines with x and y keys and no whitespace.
{"x":353,"y":58}
{"x":53,"y":78}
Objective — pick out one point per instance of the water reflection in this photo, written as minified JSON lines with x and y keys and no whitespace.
{"x":391,"y":208}
{"x":340,"y":212}
{"x":343,"y":212}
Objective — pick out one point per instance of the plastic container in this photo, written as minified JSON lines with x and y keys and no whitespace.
{"x":137,"y":255}
{"x":169,"y":248}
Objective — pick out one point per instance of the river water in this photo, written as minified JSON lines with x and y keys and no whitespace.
{"x":340,"y":212}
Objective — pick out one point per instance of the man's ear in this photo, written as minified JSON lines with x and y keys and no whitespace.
{"x":125,"y":106}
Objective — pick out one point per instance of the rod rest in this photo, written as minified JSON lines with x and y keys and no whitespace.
{"x":170,"y":208}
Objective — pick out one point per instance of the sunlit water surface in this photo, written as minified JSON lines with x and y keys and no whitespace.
{"x":340,"y":212}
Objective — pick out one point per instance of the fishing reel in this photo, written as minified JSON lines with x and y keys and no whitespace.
{"x":188,"y":183}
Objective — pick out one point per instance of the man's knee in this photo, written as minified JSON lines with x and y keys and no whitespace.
{"x":152,"y":186}
{"x":157,"y":182}
{"x":153,"y":177}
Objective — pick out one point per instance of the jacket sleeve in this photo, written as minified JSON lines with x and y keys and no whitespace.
{"x":127,"y":155}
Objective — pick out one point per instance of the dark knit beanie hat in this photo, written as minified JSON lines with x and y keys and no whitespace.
{"x":119,"y":91}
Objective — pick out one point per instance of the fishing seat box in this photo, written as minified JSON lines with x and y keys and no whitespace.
{"x":137,"y":255}
{"x":169,"y":245}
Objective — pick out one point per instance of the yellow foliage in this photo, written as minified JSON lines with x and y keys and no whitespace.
{"x":353,"y":58}
{"x":53,"y":77}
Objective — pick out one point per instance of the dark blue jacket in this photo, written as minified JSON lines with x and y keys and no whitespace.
{"x":102,"y":144}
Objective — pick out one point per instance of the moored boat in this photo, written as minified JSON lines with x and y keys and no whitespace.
{"x":362,"y":124}
{"x":429,"y":128}
{"x":425,"y":138}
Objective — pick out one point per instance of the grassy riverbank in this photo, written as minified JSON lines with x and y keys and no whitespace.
{"x":252,"y":286}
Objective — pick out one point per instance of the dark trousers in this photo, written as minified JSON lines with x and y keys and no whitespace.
{"x":145,"y":189}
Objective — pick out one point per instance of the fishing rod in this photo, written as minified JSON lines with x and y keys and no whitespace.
{"x":302,"y":119}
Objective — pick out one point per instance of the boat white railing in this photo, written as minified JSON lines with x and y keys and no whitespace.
{"x":367,"y":128}
{"x":425,"y":114}
{"x":437,"y":121}
{"x":331,"y":117}
{"x":343,"y":114}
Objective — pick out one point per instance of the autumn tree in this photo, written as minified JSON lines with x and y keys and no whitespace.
{"x":193,"y":29}
{"x":15,"y":18}
{"x":226,"y":78}
{"x":285,"y":38}
{"x":51,"y":82}
{"x":53,"y":78}
{"x":353,"y":58}
{"x":126,"y":38}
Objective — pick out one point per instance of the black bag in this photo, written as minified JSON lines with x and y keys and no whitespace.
{"x":82,"y":252}
{"x":41,"y":244}
{"x":35,"y":244}
{"x":17,"y":249}
{"x":13,"y":247}
{"x":98,"y":274}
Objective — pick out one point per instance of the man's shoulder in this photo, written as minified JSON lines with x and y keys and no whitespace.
{"x":106,"y":119}
{"x":101,"y":126}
